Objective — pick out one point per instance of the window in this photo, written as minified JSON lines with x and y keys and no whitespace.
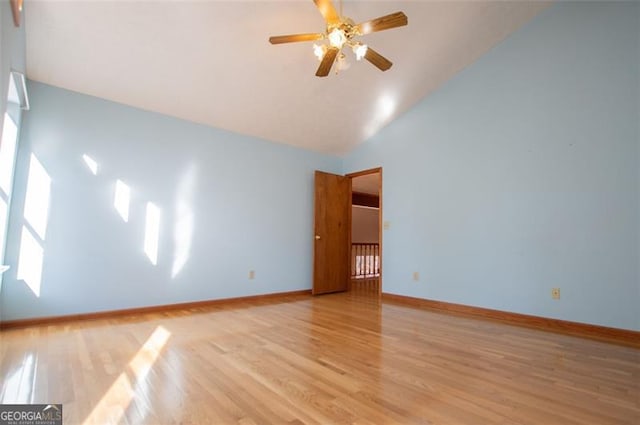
{"x":8,"y":145}
{"x":17,"y":101}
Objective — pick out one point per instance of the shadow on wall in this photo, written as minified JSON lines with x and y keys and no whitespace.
{"x":36,"y":213}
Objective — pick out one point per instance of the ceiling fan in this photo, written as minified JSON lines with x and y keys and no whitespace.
{"x":342,"y":31}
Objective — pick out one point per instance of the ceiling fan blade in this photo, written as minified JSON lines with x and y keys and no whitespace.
{"x":328,"y":11}
{"x":293,"y":38}
{"x":377,"y":59}
{"x":327,"y":62}
{"x":382,"y":23}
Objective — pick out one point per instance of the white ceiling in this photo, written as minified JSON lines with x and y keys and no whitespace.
{"x":368,"y":183}
{"x":210,"y":62}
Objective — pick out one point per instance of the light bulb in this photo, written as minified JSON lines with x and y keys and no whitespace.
{"x":319,"y":51}
{"x":337,"y":38}
{"x":341,"y":63}
{"x":360,"y":51}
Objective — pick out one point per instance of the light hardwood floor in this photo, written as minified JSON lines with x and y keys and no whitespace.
{"x":331,"y":359}
{"x":365,"y":287}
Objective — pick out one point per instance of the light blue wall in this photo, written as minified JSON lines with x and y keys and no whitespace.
{"x":522,"y":174}
{"x":251,"y":203}
{"x":519,"y":175}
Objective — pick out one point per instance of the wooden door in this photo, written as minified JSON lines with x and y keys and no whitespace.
{"x":331,"y":244}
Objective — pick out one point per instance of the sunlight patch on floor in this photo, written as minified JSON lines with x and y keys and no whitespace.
{"x":17,"y":388}
{"x":113,"y":405}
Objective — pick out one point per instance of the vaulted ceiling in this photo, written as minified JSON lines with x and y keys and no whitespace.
{"x":210,"y":62}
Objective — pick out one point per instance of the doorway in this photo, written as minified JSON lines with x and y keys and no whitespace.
{"x":339,"y":263}
{"x":366,"y":236}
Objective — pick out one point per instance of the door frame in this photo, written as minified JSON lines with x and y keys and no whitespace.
{"x":380,"y":221}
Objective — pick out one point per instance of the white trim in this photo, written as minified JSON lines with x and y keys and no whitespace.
{"x":18,"y":85}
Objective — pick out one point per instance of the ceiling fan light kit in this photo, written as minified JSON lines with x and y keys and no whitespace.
{"x":341,"y":31}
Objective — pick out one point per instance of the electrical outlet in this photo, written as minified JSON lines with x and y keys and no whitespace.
{"x":252,"y":274}
{"x":416,"y":276}
{"x":555,"y":293}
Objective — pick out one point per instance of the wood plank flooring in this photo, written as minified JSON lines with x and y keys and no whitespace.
{"x":340,"y":358}
{"x":365,"y":286}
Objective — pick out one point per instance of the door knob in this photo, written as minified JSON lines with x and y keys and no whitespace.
{"x":317,"y":237}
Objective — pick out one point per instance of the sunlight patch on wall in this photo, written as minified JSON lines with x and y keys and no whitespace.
{"x":183,"y":237}
{"x":36,"y":214}
{"x":113,"y":405}
{"x":384,"y":108}
{"x":152,"y":232}
{"x":36,"y":204}
{"x":91,"y":164}
{"x":4,"y":216}
{"x":122,"y":199}
{"x":183,"y":227}
{"x":30,"y":261}
{"x":7,"y":153}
